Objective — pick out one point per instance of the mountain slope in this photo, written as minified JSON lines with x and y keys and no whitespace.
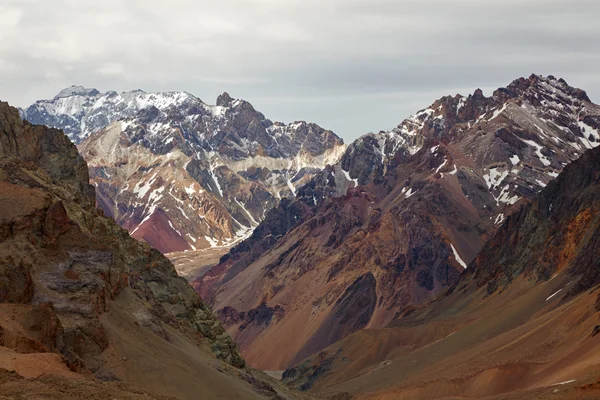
{"x":181,"y":174}
{"x":432,"y":192}
{"x":521,"y":322}
{"x":77,"y":293}
{"x":558,"y":231}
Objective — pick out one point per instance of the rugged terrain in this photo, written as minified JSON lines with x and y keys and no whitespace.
{"x":81,"y":302}
{"x":395,"y":222}
{"x":521,"y":323}
{"x":181,"y":174}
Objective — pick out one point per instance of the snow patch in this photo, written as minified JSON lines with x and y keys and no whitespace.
{"x":215,"y":179}
{"x":554,"y":294}
{"x":172,"y":227}
{"x":494,"y":178}
{"x":461,"y":103}
{"x":457,"y":257}
{"x":211,"y":241}
{"x":499,"y":219}
{"x":190,"y":190}
{"x":498,"y":112}
{"x":408,"y":192}
{"x":252,"y":220}
{"x":539,"y":154}
{"x":290,"y":185}
{"x":441,"y":166}
{"x":505,"y":198}
{"x":348,"y":178}
{"x":564,"y":383}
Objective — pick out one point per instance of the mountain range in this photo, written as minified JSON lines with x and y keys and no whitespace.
{"x":181,"y":174}
{"x":430,"y":194}
{"x":454,"y":256}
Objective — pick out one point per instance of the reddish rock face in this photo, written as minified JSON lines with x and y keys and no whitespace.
{"x":56,"y":223}
{"x":432,"y":192}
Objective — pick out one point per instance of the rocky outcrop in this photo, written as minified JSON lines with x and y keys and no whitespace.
{"x":62,"y":256}
{"x":412,"y":206}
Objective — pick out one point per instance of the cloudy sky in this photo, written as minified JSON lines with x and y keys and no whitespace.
{"x":353,"y":66}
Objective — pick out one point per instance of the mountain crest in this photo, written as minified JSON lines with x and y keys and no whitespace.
{"x":182,"y":174}
{"x":224,"y":100}
{"x":76,"y":90}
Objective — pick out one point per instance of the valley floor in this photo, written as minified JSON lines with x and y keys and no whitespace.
{"x":194,"y":264}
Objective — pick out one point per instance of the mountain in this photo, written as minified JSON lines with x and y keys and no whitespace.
{"x":80,"y":299}
{"x":181,"y":174}
{"x":521,"y":323}
{"x":395,"y":222}
{"x":559,"y":232}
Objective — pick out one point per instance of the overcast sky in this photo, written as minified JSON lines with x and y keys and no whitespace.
{"x":353,"y":66}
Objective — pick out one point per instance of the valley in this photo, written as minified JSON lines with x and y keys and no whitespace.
{"x":299,"y":200}
{"x":454,"y":256}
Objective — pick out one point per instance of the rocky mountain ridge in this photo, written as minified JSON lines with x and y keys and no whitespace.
{"x":182,"y":174}
{"x":432,"y":191}
{"x":558,"y":232}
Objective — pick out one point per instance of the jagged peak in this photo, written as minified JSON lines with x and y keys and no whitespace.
{"x":547,"y":83}
{"x":76,"y":90}
{"x":7,"y":111}
{"x":478,"y":93}
{"x":224,"y":100}
{"x":543,"y":92}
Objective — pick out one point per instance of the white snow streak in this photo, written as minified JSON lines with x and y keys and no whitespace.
{"x":457,"y":257}
{"x":554,"y":294}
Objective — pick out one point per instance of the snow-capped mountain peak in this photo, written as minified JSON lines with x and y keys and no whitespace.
{"x":76,"y":90}
{"x":183,"y":174}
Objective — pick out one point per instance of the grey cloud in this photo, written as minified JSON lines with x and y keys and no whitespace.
{"x":350,"y":65}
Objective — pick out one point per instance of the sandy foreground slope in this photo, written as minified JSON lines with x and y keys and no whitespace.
{"x":514,"y":345}
{"x":194,"y":264}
